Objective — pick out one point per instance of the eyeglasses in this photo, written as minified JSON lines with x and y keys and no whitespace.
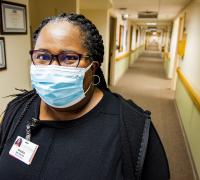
{"x":68,"y":58}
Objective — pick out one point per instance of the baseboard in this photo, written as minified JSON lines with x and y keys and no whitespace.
{"x":194,"y":170}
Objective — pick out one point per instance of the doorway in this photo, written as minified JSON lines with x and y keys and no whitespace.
{"x":112,"y":44}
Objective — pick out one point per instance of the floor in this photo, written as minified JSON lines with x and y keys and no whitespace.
{"x":146,"y":84}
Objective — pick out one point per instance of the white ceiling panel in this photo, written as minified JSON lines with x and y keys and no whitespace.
{"x":167,"y":9}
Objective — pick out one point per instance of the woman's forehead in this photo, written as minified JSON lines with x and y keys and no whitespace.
{"x":60,"y":29}
{"x":62,"y":35}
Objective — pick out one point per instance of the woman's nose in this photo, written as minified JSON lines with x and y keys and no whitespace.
{"x":55,"y":61}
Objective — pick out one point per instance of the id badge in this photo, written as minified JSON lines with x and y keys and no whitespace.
{"x":23,"y":150}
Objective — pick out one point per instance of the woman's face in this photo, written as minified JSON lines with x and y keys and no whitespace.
{"x":62,"y":36}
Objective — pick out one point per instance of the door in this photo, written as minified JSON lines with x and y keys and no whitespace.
{"x":112,"y":48}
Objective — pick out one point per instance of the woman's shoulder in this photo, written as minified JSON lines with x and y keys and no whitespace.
{"x":128,"y":105}
{"x":109,"y":103}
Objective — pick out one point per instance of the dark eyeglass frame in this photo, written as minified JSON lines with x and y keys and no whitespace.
{"x":56,"y":56}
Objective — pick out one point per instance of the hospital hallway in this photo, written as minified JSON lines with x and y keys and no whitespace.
{"x":146,"y":50}
{"x":146,"y":84}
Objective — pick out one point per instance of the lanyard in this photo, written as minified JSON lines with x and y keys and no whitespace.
{"x":23,"y":149}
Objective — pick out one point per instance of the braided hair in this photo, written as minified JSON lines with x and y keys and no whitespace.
{"x":91,"y":39}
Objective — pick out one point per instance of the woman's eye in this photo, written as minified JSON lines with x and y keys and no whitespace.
{"x":70,"y":57}
{"x":43,"y":57}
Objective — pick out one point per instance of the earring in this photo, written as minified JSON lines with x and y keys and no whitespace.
{"x":99,"y":79}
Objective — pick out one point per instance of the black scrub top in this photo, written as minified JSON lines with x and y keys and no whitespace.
{"x":87,"y":148}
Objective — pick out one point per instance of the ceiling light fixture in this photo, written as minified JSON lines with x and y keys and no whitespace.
{"x":154,"y":33}
{"x":125,"y":16}
{"x":151,"y":24}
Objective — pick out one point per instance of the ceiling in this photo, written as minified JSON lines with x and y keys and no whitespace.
{"x":167,"y":9}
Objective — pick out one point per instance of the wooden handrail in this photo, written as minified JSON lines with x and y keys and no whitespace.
{"x":127,"y":53}
{"x":122,"y":56}
{"x":191,"y":91}
{"x":166,"y":56}
{"x":133,"y":50}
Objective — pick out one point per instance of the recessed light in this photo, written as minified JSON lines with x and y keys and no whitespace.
{"x":151,"y":24}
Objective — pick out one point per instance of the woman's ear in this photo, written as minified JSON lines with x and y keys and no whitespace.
{"x":95,"y":66}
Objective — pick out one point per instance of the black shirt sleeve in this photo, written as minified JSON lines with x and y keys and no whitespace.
{"x":155,"y":165}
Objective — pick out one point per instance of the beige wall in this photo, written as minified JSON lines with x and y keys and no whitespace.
{"x":190,"y":65}
{"x":17,"y":73}
{"x":190,"y":120}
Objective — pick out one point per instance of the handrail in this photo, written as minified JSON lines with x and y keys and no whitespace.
{"x":122,"y":56}
{"x":191,"y":91}
{"x":133,"y":50}
{"x":166,"y":56}
{"x":127,"y":53}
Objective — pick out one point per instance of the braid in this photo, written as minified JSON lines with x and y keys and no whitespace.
{"x":22,"y":96}
{"x":27,"y":105}
{"x":19,"y":97}
{"x":91,"y":39}
{"x":26,"y":96}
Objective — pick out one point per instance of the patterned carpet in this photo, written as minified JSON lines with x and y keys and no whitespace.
{"x":146,"y":84}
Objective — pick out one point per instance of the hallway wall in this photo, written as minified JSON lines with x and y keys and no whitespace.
{"x":191,"y":64}
{"x":190,"y":119}
{"x":188,"y":108}
{"x":17,"y":73}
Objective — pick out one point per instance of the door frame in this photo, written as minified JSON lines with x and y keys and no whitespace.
{"x":112,"y":49}
{"x":177,"y":57}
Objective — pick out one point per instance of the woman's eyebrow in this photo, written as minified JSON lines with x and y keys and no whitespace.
{"x":62,"y":51}
{"x":42,"y":49}
{"x":69,"y":51}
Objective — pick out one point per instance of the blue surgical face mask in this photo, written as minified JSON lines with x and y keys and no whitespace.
{"x":59,"y":86}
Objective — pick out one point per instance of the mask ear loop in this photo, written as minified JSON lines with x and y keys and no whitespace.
{"x":92,"y":83}
{"x":99,"y":79}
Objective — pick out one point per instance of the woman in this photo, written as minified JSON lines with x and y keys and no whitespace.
{"x":70,"y":122}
